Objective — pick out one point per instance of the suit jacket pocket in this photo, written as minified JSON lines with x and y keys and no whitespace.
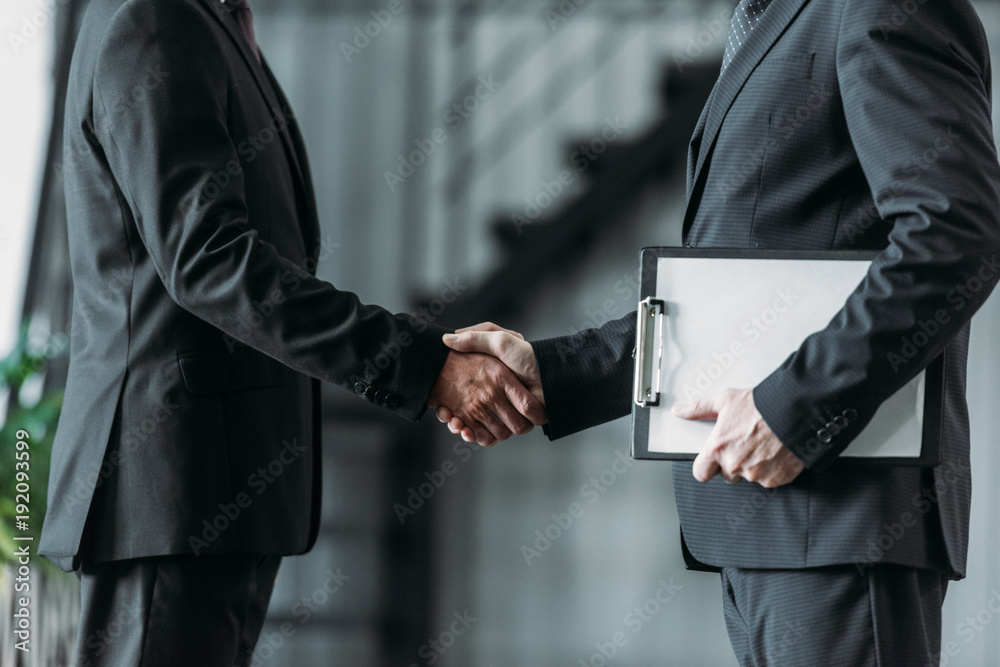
{"x":220,"y":370}
{"x":782,"y":68}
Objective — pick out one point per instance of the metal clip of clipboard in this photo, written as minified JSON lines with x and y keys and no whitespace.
{"x":648,"y":352}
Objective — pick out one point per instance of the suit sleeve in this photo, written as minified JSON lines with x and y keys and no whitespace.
{"x":587,"y":377}
{"x":916,"y":98}
{"x":163,"y":145}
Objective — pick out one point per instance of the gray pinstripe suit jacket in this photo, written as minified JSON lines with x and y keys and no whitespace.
{"x":840,"y":124}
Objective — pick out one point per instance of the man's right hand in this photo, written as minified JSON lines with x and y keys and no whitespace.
{"x":486,"y":396}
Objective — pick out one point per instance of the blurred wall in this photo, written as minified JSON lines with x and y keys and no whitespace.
{"x":553,"y":76}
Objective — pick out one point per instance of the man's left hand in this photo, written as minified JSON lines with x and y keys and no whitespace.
{"x":742,"y":445}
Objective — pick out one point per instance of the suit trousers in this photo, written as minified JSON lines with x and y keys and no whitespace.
{"x":173,"y":610}
{"x":834,"y":616}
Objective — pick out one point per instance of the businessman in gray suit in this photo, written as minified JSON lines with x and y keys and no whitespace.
{"x":834,"y":124}
{"x":186,"y":459}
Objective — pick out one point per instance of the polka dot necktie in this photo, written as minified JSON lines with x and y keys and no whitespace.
{"x":747,"y":13}
{"x":241,"y":12}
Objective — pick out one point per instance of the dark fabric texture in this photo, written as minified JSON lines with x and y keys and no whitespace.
{"x":831,"y":616}
{"x":199,"y":329}
{"x":173,"y":610}
{"x":836,"y":127}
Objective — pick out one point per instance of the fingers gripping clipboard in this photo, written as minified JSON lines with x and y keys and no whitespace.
{"x":717,"y":319}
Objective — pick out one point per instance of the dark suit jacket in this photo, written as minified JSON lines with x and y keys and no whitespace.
{"x":190,"y":422}
{"x":840,"y":124}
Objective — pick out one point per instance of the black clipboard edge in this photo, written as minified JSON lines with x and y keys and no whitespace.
{"x":930,"y":447}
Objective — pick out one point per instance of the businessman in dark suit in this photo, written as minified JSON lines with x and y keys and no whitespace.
{"x":835,"y":124}
{"x":186,"y":460}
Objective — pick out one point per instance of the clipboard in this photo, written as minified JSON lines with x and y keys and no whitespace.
{"x":712,"y":319}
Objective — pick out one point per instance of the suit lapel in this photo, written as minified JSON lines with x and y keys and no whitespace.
{"x":298,"y":155}
{"x":271,"y":94}
{"x":277,"y":100}
{"x":222,"y":14}
{"x":694,"y":148}
{"x":770,"y":27}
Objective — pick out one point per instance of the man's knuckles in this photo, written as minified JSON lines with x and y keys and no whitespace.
{"x":716,"y":449}
{"x":523,"y":427}
{"x":528,"y":406}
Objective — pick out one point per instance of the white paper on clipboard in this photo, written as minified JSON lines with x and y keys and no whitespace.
{"x":729,"y":322}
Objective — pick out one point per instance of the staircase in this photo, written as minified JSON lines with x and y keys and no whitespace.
{"x":535,"y":248}
{"x":371,"y":463}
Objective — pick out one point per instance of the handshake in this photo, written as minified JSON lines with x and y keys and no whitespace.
{"x":489,"y":387}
